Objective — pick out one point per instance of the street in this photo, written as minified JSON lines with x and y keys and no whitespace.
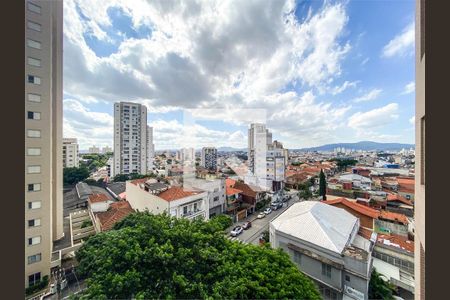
{"x":251,"y":235}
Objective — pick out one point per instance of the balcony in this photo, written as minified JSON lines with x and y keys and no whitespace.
{"x":192,"y":213}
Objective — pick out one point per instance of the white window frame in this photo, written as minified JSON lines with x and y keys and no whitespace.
{"x":35,"y":169}
{"x":33,"y":133}
{"x":34,"y":26}
{"x":33,"y":7}
{"x":34,"y":258}
{"x":34,"y":98}
{"x":33,"y":151}
{"x":36,"y":79}
{"x":34,"y":44}
{"x":37,"y":206}
{"x":35,"y":240}
{"x":36,"y":115}
{"x":35,"y":62}
{"x":37,"y":223}
{"x":35,"y":187}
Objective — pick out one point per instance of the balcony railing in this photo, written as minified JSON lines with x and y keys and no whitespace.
{"x":191,"y":213}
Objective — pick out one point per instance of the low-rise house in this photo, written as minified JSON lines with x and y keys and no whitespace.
{"x":116,"y":212}
{"x":406,"y":187}
{"x":234,"y":201}
{"x":399,"y":204}
{"x":366,"y":215}
{"x":357,"y":181}
{"x":99,"y":202}
{"x":216,"y":193}
{"x":324,"y":243}
{"x":250,"y":195}
{"x":158,"y":197}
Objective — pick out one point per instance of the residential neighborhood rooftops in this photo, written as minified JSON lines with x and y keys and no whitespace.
{"x":398,"y":198}
{"x":317,"y":223}
{"x":95,"y":198}
{"x":116,"y":212}
{"x":362,"y":209}
{"x":176,"y":192}
{"x":116,"y":187}
{"x":391,"y":216}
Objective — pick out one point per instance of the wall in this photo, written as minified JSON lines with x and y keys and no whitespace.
{"x":140,"y":200}
{"x":398,"y":229}
{"x":364,"y":220}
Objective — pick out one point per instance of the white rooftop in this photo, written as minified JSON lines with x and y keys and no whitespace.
{"x":318,"y":223}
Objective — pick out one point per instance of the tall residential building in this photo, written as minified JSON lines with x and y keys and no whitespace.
{"x":106,"y":149}
{"x":209,"y":158}
{"x":267,"y":160}
{"x":186,"y":155}
{"x":419,"y":201}
{"x":94,"y":149}
{"x":150,"y":149}
{"x":43,"y":136}
{"x":130,"y":138}
{"x":70,"y":153}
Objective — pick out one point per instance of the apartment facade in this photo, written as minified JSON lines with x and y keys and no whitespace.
{"x":216,"y":192}
{"x":150,"y":149}
{"x":106,"y":149}
{"x":70,"y":153}
{"x":43,"y":136}
{"x":94,"y":149}
{"x":209,"y":158}
{"x":130,"y":138}
{"x":420,"y":170}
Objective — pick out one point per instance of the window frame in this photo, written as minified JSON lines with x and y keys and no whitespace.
{"x":326,"y":270}
{"x":34,"y":223}
{"x":31,"y":42}
{"x":33,"y":96}
{"x":34,"y":130}
{"x":33,"y":190}
{"x":37,"y":60}
{"x":38,"y":167}
{"x":37,"y":7}
{"x":35,"y":260}
{"x":30,"y":153}
{"x":31,"y":239}
{"x":30,"y":204}
{"x":32,"y":25}
{"x":36,"y":79}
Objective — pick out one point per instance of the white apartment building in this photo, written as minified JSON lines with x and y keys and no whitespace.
{"x":186,"y":155}
{"x":157,"y":197}
{"x":94,"y":149}
{"x":209,"y":158}
{"x":130,"y":138}
{"x":43,"y":135}
{"x":267,"y":160}
{"x":150,"y":149}
{"x":70,"y":153}
{"x":106,"y":149}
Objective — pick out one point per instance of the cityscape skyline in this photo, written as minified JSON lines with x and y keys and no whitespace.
{"x":338,"y":89}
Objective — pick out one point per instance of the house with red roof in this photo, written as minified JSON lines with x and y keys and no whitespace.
{"x":99,"y":202}
{"x":158,"y":197}
{"x":116,"y":212}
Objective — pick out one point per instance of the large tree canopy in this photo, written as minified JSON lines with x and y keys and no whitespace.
{"x":147,"y":256}
{"x":74,"y":175}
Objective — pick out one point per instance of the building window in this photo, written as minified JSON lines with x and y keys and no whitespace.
{"x":34,"y":62}
{"x":34,"y":223}
{"x":34,"y":44}
{"x":34,"y":8}
{"x":347,"y":278}
{"x":34,"y":98}
{"x":34,"y":26}
{"x":32,"y":133}
{"x":34,"y":258}
{"x":422,"y":150}
{"x":326,"y":270}
{"x":185,"y":210}
{"x":32,"y":115}
{"x":34,"y":151}
{"x":34,"y":278}
{"x":298,"y":257}
{"x":34,"y":240}
{"x":216,"y":198}
{"x":34,"y":79}
{"x":34,"y":169}
{"x":34,"y":187}
{"x":34,"y":204}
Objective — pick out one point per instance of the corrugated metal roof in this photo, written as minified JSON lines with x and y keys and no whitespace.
{"x":324,"y":225}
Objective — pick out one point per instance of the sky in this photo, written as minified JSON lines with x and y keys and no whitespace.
{"x":316,"y":72}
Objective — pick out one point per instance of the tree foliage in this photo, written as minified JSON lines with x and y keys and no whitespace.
{"x":379,"y":288}
{"x":74,"y":175}
{"x":95,"y":161}
{"x":342,"y":164}
{"x":224,"y":221}
{"x":147,"y":257}
{"x":322,"y":185}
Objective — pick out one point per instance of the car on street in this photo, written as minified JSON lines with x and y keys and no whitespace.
{"x":267,"y":210}
{"x":276,"y":205}
{"x":261,"y":215}
{"x":247,"y":225}
{"x":236,"y":231}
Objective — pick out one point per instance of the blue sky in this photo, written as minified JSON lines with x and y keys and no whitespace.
{"x":323,"y":72}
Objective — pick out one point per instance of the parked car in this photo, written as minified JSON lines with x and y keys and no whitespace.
{"x":261,"y":215}
{"x":236,"y":231}
{"x":247,"y":225}
{"x":276,"y":205}
{"x":267,"y":210}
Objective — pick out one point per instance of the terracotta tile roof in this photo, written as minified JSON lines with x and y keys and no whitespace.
{"x":95,"y":198}
{"x":116,"y":212}
{"x":394,"y":197}
{"x":391,"y":216}
{"x":396,"y":241}
{"x":245,"y":189}
{"x":175,"y":193}
{"x":231,"y":191}
{"x":362,"y":209}
{"x":230,"y":182}
{"x":365,"y":232}
{"x":139,"y":181}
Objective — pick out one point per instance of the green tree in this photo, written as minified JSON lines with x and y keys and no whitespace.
{"x":74,"y":175}
{"x":148,"y":257}
{"x":223,"y":221}
{"x":379,"y":288}
{"x":322,"y":185}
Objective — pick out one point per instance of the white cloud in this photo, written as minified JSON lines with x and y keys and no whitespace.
{"x":409,"y":88}
{"x":412,"y":120}
{"x":339,"y":89}
{"x":375,"y":118}
{"x":402,"y":44}
{"x":371,"y":95}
